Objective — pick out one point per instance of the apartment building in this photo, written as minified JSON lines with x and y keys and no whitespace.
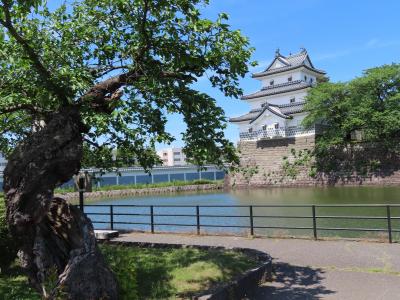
{"x":172,"y":157}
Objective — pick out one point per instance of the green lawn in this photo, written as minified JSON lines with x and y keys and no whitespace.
{"x":143,"y":186}
{"x":13,"y":285}
{"x":146,"y":273}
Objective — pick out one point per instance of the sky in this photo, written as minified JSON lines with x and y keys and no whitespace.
{"x":342,"y":37}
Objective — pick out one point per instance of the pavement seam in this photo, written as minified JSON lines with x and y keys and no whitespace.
{"x":360,"y":270}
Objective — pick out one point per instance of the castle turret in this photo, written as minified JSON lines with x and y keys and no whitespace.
{"x":277,"y":110}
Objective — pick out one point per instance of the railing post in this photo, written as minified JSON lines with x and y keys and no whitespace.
{"x":81,"y":187}
{"x":152,"y":218}
{"x":314,"y":222}
{"x":111,"y":217}
{"x":198,"y":219}
{"x":389,"y":223}
{"x":251,"y":221}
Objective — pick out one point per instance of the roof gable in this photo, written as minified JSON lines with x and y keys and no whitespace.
{"x":283,"y":63}
{"x":278,"y":62}
{"x":282,"y":111}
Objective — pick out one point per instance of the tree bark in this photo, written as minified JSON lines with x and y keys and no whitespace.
{"x":57,"y":243}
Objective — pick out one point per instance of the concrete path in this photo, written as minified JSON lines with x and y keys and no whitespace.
{"x":307,"y":269}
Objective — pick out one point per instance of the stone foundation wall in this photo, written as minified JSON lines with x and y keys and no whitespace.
{"x":266,"y":156}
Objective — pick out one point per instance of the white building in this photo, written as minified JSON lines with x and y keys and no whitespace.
{"x":3,"y":162}
{"x":172,"y":157}
{"x":277,"y":109}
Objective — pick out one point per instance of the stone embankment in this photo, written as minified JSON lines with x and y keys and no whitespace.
{"x":146,"y":191}
{"x":267,"y":157}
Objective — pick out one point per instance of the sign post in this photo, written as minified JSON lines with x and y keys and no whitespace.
{"x":81,"y":187}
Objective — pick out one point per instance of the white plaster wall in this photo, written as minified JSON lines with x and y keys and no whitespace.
{"x":281,"y":78}
{"x":277,"y":64}
{"x":309,"y":76}
{"x":268,"y":119}
{"x":297,"y":119}
{"x":278,"y":99}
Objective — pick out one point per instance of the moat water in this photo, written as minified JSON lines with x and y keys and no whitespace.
{"x":270,"y":196}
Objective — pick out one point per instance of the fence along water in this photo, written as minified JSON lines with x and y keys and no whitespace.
{"x":253,"y":219}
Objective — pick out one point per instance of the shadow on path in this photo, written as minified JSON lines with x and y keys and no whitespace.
{"x":294,"y":283}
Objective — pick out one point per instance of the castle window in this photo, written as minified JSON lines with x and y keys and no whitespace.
{"x":276,"y":125}
{"x":305,"y":78}
{"x":264,"y":127}
{"x":289,"y":78}
{"x":292,"y":100}
{"x":311,"y":80}
{"x":271,"y":82}
{"x":250,"y":130}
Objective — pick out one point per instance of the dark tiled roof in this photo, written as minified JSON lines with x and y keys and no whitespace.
{"x":292,"y":108}
{"x":279,"y":88}
{"x":286,"y":68}
{"x":290,"y":62}
{"x":273,"y":109}
{"x":247,"y":117}
{"x":284,"y":111}
{"x":298,"y":58}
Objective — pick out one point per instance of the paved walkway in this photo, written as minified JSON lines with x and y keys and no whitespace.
{"x":307,"y":269}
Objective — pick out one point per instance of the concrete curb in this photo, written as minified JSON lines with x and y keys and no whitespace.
{"x":241,"y":286}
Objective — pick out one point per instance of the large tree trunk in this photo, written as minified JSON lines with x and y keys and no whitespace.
{"x":57,"y":244}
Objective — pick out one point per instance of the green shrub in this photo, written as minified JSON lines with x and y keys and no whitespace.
{"x":7,"y":244}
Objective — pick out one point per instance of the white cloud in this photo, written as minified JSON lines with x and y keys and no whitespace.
{"x":376,"y":43}
{"x":332,"y":55}
{"x":373,"y":43}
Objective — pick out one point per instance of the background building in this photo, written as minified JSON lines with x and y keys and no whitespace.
{"x":172,"y":157}
{"x":3,"y":162}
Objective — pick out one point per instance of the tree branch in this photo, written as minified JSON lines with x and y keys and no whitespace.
{"x":19,"y":107}
{"x":33,"y":56}
{"x":101,"y":94}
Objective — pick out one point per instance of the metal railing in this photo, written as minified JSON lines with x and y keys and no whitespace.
{"x":275,"y":133}
{"x":113,"y":211}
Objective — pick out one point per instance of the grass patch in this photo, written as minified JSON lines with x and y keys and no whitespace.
{"x":13,"y":285}
{"x":172,"y":273}
{"x":142,"y":186}
{"x":147,"y":273}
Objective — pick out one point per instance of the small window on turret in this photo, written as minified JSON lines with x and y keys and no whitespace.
{"x":264,"y":127}
{"x":271,"y":82}
{"x":276,"y":125}
{"x":289,"y":78}
{"x":311,"y":80}
{"x":250,"y":130}
{"x":305,"y":78}
{"x":292,"y":100}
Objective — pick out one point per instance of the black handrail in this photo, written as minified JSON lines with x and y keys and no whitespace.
{"x":197,"y":216}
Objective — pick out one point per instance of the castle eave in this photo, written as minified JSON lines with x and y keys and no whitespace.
{"x":284,"y":111}
{"x":279,"y":89}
